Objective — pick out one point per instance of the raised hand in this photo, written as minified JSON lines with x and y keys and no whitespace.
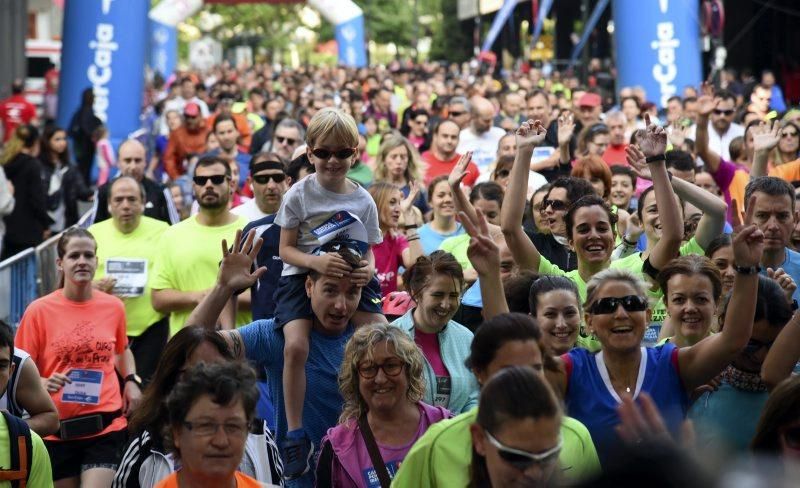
{"x":530,"y":134}
{"x":634,"y":229}
{"x":407,"y":205}
{"x":677,"y":134}
{"x":566,"y":127}
{"x":636,"y":160}
{"x":483,"y":252}
{"x":234,"y":270}
{"x":748,"y":240}
{"x":766,"y":136}
{"x":785,"y":281}
{"x":653,"y":139}
{"x":707,"y":102}
{"x":459,"y":171}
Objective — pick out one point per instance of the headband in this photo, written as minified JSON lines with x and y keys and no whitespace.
{"x":262,"y":165}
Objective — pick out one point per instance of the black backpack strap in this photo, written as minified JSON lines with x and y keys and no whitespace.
{"x":21,"y":449}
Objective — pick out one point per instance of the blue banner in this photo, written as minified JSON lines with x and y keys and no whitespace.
{"x":497,"y":24}
{"x":350,"y":38}
{"x":658,"y":46}
{"x":163,"y":48}
{"x":103,"y":47}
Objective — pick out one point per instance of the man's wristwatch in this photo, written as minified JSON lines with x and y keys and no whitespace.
{"x":657,"y":157}
{"x":135,"y":379}
{"x":747,"y":270}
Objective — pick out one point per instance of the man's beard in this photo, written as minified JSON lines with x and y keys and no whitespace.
{"x":221,"y":201}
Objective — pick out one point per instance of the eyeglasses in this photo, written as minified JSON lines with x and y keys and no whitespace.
{"x":609,"y":305}
{"x":340,"y":153}
{"x":207,"y":429}
{"x":390,"y":368}
{"x":753,"y":346}
{"x":456,"y":114}
{"x":522,"y":460}
{"x":215,"y":179}
{"x":286,"y":140}
{"x":787,"y":135}
{"x":264,"y":179}
{"x":791,"y":436}
{"x":726,"y":113}
{"x":557,"y":205}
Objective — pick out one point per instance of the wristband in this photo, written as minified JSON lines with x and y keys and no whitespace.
{"x":657,"y":157}
{"x":629,"y":243}
{"x":747,"y":270}
{"x":409,"y":227}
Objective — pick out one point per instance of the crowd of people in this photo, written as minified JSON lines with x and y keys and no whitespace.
{"x":416,"y":276}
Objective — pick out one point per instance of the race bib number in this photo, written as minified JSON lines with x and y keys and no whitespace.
{"x":371,"y":476}
{"x":541,"y":153}
{"x":444,"y":385}
{"x":342,"y":226}
{"x":85,"y":387}
{"x":131,"y":276}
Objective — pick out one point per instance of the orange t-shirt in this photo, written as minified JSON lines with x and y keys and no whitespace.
{"x":78,"y":338}
{"x":437,"y":167}
{"x":788,"y":171}
{"x":242,"y":481}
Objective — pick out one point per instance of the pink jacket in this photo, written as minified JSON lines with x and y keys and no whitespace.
{"x":350,"y":465}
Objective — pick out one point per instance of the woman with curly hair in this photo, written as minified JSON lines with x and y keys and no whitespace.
{"x":382,"y":384}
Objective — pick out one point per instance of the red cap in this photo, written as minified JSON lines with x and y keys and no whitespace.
{"x":590,"y":100}
{"x":191,"y":109}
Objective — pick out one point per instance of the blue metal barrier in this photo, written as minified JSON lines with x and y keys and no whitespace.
{"x":18,"y":285}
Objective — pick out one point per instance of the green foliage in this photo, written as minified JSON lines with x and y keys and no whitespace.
{"x":449,"y":41}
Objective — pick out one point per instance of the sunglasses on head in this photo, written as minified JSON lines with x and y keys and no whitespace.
{"x":522,"y":460}
{"x":791,"y":436}
{"x":264,"y":179}
{"x":723,"y":112}
{"x":286,"y":140}
{"x":215,"y":179}
{"x":608,"y":305}
{"x":339,"y":153}
{"x":557,"y":205}
{"x":753,"y":346}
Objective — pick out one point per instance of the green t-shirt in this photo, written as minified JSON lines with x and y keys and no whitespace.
{"x":457,"y":246}
{"x":443,"y":455}
{"x":141,"y":244}
{"x":41,"y":475}
{"x":361,"y":174}
{"x":188,"y":260}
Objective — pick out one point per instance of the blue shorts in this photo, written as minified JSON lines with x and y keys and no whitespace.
{"x":292,"y":303}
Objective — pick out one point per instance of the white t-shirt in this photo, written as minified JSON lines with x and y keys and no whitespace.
{"x":322,"y":216}
{"x":249,"y":210}
{"x":483,"y":146}
{"x":720,"y":144}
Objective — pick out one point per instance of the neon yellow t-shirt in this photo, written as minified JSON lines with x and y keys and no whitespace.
{"x":443,"y":455}
{"x":188,"y":260}
{"x":41,"y":475}
{"x":140,"y":244}
{"x":457,"y":246}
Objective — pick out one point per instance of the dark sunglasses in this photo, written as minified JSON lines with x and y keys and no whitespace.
{"x":557,"y":205}
{"x":264,"y":179}
{"x":503,"y":173}
{"x":753,"y":346}
{"x":456,"y":114}
{"x":789,"y":134}
{"x":340,"y":154}
{"x":215,"y":180}
{"x":609,"y":305}
{"x":286,"y":140}
{"x":726,"y":113}
{"x":522,"y":460}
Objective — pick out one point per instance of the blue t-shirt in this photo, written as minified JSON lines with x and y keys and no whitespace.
{"x":472,"y":296}
{"x":263,"y":345}
{"x":792,"y":266}
{"x":432,"y":240}
{"x":727,"y":418}
{"x":263,"y":303}
{"x":592,"y":400}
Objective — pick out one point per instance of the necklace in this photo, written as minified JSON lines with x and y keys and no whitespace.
{"x":627,"y":389}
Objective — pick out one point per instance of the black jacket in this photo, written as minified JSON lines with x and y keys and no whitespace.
{"x":158,"y":203}
{"x":25,"y":226}
{"x":556,"y":253}
{"x":73,"y":188}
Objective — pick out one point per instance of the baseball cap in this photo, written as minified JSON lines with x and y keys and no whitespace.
{"x":589,"y":100}
{"x":191,"y":109}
